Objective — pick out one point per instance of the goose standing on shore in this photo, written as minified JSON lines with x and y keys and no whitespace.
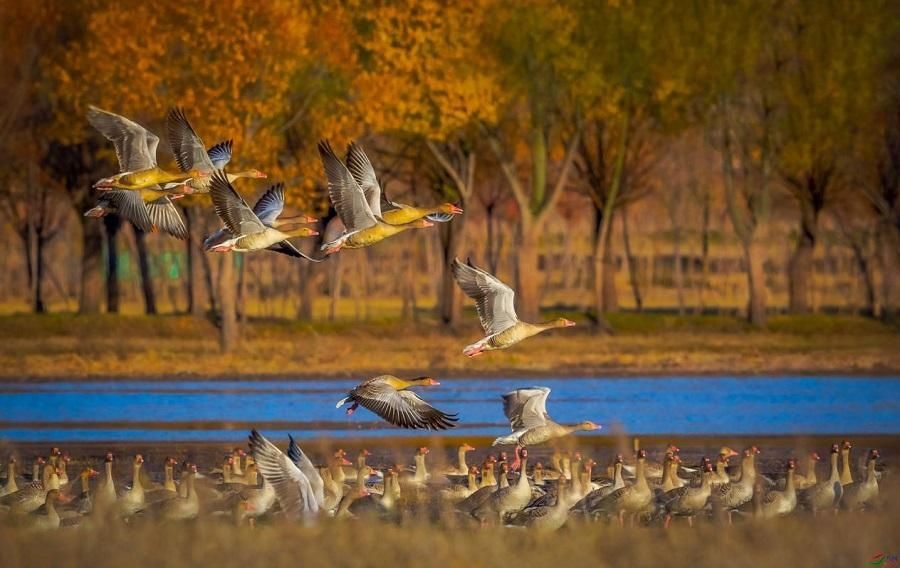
{"x":526,"y":410}
{"x":248,"y":231}
{"x":10,"y":486}
{"x":861,"y":494}
{"x":495,"y":303}
{"x":825,"y":494}
{"x":779,"y":503}
{"x":390,"y":398}
{"x":735,"y":494}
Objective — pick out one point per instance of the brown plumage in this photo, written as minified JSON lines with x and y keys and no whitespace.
{"x":388,"y":397}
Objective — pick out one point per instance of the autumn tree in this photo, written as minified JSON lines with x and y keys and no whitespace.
{"x":233,"y":78}
{"x":530,"y":49}
{"x":419,"y":79}
{"x":823,"y":81}
{"x":727,"y":69}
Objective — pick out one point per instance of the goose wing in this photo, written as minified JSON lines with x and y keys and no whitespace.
{"x":189,"y":150}
{"x":286,"y":247}
{"x":220,"y":154}
{"x":346,"y":195}
{"x":129,"y":206}
{"x":135,"y":145}
{"x":270,"y":205}
{"x":231,"y":207}
{"x":361,"y":168}
{"x":401,"y":408}
{"x":526,"y":408}
{"x":296,"y":455}
{"x":292,"y":487}
{"x":165,"y":217}
{"x":494,"y":300}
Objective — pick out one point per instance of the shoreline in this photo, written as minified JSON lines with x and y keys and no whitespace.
{"x":623,"y":374}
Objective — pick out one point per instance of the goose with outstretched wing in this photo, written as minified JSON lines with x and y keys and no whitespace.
{"x":529,"y":422}
{"x":495,"y":303}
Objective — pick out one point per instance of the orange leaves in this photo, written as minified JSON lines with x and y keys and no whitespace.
{"x":419,"y":77}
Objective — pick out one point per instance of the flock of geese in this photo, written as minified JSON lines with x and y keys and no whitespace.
{"x":269,"y":484}
{"x":144,"y":194}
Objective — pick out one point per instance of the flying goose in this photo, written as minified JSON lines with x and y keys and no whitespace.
{"x":248,"y":231}
{"x":391,"y":212}
{"x":293,"y":488}
{"x":136,"y":151}
{"x":362,"y":227}
{"x":495,"y":303}
{"x":268,"y":209}
{"x":526,"y":410}
{"x":191,"y":153}
{"x":389,"y":397}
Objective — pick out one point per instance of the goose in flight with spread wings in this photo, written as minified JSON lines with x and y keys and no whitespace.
{"x":526,"y":410}
{"x":495,"y":303}
{"x":267,"y":209}
{"x":297,"y":485}
{"x":253,"y":229}
{"x":391,"y":212}
{"x":389,"y":397}
{"x":136,"y":151}
{"x":362,"y":227}
{"x":191,"y":153}
{"x":149,"y":208}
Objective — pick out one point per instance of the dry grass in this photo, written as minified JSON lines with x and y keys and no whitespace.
{"x":73,"y":347}
{"x":844,"y":540}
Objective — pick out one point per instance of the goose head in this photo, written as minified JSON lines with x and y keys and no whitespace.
{"x":424,"y":382}
{"x":562,"y":322}
{"x":450,"y":209}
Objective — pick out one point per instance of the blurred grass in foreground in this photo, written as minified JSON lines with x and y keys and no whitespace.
{"x":66,"y":345}
{"x":843,"y":540}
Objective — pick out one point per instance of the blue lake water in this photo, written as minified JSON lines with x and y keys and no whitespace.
{"x":195,"y":411}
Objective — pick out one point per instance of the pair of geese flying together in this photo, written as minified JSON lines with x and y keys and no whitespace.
{"x":142,"y":192}
{"x":526,"y":409}
{"x":368,"y":216}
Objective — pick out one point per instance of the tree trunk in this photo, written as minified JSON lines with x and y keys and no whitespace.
{"x":527,"y":272}
{"x":91,"y":262}
{"x":38,"y":304}
{"x":704,"y":247}
{"x":888,"y":245}
{"x":610,"y":293}
{"x":241,"y":307}
{"x":194,"y":263}
{"x":228,"y":331}
{"x":632,"y":264}
{"x":603,"y":282}
{"x":112,"y":223}
{"x":677,"y":274}
{"x":307,"y":300}
{"x":140,"y":240}
{"x":336,"y":274}
{"x":756,"y":282}
{"x":452,"y":242}
{"x":800,"y":266}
